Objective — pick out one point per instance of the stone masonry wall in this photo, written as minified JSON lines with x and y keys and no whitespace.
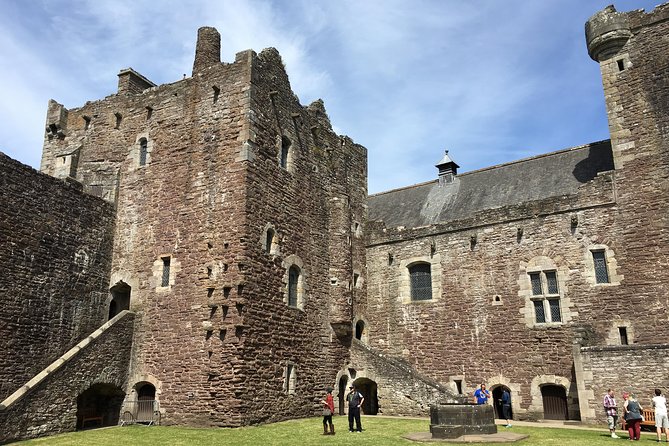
{"x":400,"y":391}
{"x":323,"y":172}
{"x":638,"y":369}
{"x":51,"y":407}
{"x":55,"y":264}
{"x":636,"y":101}
{"x":185,"y":204}
{"x":209,"y":189}
{"x":479,"y":327}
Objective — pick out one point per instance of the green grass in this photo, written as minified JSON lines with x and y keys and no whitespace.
{"x":378,"y":432}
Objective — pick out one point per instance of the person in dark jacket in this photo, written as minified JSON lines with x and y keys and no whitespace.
{"x":632,"y":413}
{"x":355,"y":400}
{"x":506,"y":406}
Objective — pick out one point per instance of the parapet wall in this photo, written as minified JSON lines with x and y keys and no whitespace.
{"x":55,"y":261}
{"x":624,"y":368}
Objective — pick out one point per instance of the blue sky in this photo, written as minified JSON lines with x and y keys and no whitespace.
{"x":492,"y":81}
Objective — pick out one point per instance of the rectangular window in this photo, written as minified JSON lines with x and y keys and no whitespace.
{"x":601,"y":272}
{"x":356,"y":277}
{"x":166,"y":272}
{"x":535,"y":278}
{"x":554,"y":305}
{"x":289,"y":384}
{"x":539,"y":312}
{"x":420,"y":277}
{"x":551,"y":282}
{"x":623,"y":335}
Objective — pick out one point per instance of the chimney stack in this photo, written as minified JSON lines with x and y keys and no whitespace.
{"x":208,"y":49}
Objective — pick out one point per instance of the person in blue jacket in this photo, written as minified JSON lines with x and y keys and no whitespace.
{"x":481,"y":395}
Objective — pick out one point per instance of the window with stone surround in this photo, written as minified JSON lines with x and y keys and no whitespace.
{"x":545,"y":296}
{"x":601,"y":266}
{"x":542,"y":284}
{"x":290,"y":379}
{"x":164,"y":271}
{"x":143,"y":149}
{"x":294,"y":282}
{"x":269,"y":240}
{"x":420,"y":277}
{"x":284,"y":156}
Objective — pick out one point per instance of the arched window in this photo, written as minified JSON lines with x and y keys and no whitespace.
{"x":359,"y":329}
{"x":285,"y":151}
{"x":269,"y":240}
{"x":420,"y":276}
{"x":293,"y":281}
{"x":143,"y":150}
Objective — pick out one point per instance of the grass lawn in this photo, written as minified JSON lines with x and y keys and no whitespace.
{"x":378,"y":432}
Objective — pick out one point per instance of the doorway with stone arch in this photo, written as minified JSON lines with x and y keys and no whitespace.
{"x":120,"y":301}
{"x":342,"y":394}
{"x":99,"y":406}
{"x":497,"y":400}
{"x":369,"y":390}
{"x":554,"y":400}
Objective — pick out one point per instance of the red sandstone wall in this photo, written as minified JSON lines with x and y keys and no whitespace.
{"x":55,"y":261}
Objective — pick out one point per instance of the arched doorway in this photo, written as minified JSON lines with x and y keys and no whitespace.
{"x":99,"y":406}
{"x":342,"y":394}
{"x":368,"y":389}
{"x":497,"y":400}
{"x":120,"y":299}
{"x":146,"y":402}
{"x":555,"y":402}
{"x":359,"y":329}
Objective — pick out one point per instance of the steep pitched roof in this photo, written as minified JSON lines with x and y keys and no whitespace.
{"x":553,"y":174}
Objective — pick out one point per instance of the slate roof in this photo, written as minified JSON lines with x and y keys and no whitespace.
{"x":550,"y":175}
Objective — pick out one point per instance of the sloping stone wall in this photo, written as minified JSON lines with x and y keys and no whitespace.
{"x":51,"y":406}
{"x":401,"y":390}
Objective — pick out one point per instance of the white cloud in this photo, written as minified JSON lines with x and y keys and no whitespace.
{"x":492,"y":81}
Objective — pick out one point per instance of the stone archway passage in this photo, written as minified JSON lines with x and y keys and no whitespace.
{"x":99,"y":406}
{"x":342,"y":394}
{"x":555,"y":402}
{"x":368,"y":388}
{"x":497,"y":400}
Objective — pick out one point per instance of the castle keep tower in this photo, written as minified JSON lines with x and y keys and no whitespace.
{"x":237,"y":237}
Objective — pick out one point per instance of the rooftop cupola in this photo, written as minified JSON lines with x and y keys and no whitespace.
{"x":447,"y":169}
{"x":208,"y":49}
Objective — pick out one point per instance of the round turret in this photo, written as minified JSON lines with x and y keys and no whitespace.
{"x":606,"y":33}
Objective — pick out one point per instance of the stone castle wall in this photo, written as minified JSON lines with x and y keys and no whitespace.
{"x":638,"y":369}
{"x":479,"y":326}
{"x":204,"y":195}
{"x":50,"y":407}
{"x":55,"y":264}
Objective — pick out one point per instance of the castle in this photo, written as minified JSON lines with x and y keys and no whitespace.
{"x":208,"y":247}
